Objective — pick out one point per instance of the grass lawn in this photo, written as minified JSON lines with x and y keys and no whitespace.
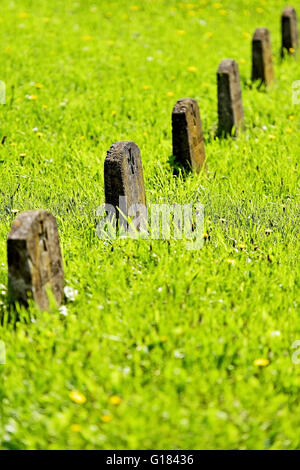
{"x":158,"y":347}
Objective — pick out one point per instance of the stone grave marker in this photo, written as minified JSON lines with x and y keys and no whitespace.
{"x":123,"y":178}
{"x":289,"y":31}
{"x":188,"y":143}
{"x":34,"y":259}
{"x":230,"y":107}
{"x":262,"y":62}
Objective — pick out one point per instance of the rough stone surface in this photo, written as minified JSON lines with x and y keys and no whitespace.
{"x":289,"y":31}
{"x":188,"y":143}
{"x":230,"y":107}
{"x":123,"y":176}
{"x":262,"y":62}
{"x":34,"y":259}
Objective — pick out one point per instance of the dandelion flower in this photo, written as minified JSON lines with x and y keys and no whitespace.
{"x":75,"y":427}
{"x":106,"y":418}
{"x":271,"y":136}
{"x":192,"y":68}
{"x":77,"y":397}
{"x":86,"y":38}
{"x":170,"y":93}
{"x":180,"y":32}
{"x":268,"y":231}
{"x":261,"y":362}
{"x":230,"y":261}
{"x":115,"y":400}
{"x":241,"y":246}
{"x":22,"y":15}
{"x":291,"y":118}
{"x":291,"y":50}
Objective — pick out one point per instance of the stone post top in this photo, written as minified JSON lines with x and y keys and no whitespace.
{"x":182,"y":104}
{"x":287,"y":11}
{"x":227,"y":66}
{"x":119,"y":149}
{"x":261,"y":33}
{"x":21,"y":225}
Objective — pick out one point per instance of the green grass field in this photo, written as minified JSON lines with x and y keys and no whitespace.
{"x":158,"y":348}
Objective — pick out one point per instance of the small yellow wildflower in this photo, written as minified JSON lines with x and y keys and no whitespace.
{"x":241,"y":246}
{"x":75,"y":427}
{"x":22,"y":155}
{"x":291,"y":50}
{"x":13,"y":144}
{"x":86,"y":38}
{"x":15,"y":211}
{"x":259,"y":10}
{"x":39,"y":86}
{"x":170,"y":93}
{"x":271,"y":136}
{"x":268,"y":231}
{"x":242,"y":61}
{"x":135,"y":8}
{"x":163,"y":339}
{"x":39,"y":134}
{"x":291,"y":118}
{"x":230,"y":261}
{"x":209,"y":35}
{"x":205,"y":235}
{"x":246,"y":35}
{"x":106,"y":418}
{"x":217,"y":5}
{"x":261,"y":362}
{"x":77,"y":397}
{"x":22,"y":15}
{"x":223,"y":12}
{"x":115,"y":400}
{"x":146,"y":87}
{"x":180,"y":32}
{"x":44,"y":106}
{"x":289,"y":130}
{"x":113,"y":113}
{"x":192,"y":68}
